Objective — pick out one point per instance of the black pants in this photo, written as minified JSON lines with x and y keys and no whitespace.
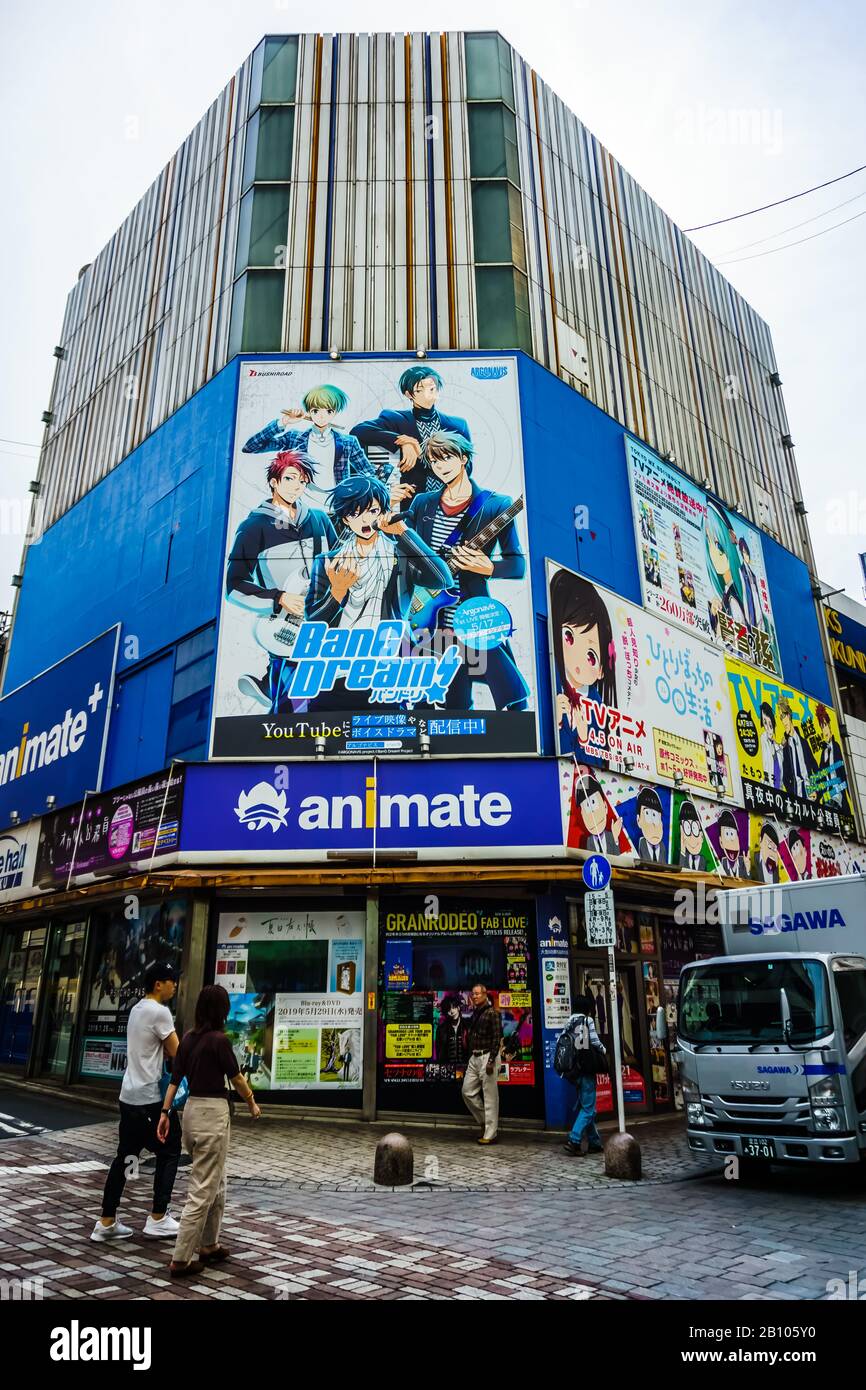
{"x":138,"y":1131}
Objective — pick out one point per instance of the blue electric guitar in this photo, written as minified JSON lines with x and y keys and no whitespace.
{"x":427,"y":603}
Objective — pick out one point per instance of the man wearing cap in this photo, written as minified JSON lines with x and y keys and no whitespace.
{"x":150,"y":1036}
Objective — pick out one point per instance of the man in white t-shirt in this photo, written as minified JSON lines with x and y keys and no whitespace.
{"x":150,"y":1037}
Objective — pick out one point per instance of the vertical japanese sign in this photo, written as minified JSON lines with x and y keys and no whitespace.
{"x":701,"y":566}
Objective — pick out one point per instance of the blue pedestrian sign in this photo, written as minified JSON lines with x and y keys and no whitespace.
{"x":596,"y":872}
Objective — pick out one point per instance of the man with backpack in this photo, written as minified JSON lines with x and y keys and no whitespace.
{"x":579,"y":1057}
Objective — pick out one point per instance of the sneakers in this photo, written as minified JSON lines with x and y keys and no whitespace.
{"x":482,"y":1140}
{"x":161,"y":1230}
{"x":116,"y":1231}
{"x":255,"y":688}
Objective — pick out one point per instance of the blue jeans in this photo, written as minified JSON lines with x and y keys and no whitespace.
{"x":584,"y":1120}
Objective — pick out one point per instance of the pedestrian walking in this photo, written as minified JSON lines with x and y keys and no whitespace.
{"x":481,"y":1078}
{"x":150,"y":1037}
{"x":206,"y":1058}
{"x":589,"y":1057}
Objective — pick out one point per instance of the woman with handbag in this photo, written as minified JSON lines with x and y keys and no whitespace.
{"x":590,"y":1058}
{"x":206,"y":1058}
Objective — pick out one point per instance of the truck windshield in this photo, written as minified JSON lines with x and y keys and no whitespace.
{"x":742,"y":1003}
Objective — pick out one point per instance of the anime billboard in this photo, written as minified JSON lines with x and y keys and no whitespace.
{"x":376,"y":595}
{"x":617,"y":815}
{"x":635,"y":694}
{"x":701,"y":566}
{"x":790,"y":752}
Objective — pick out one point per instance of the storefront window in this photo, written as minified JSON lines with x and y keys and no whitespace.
{"x":296,"y":981}
{"x":430,"y":961}
{"x":21,"y":959}
{"x":122,"y":949}
{"x":64,"y":964}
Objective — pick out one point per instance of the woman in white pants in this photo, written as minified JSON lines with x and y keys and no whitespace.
{"x":205,"y":1057}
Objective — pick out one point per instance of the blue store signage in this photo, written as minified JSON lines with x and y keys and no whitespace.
{"x":53,"y":731}
{"x":304,"y":810}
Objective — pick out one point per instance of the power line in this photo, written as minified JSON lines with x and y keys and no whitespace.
{"x":23,"y":443}
{"x":788,"y":244}
{"x":762,"y":241}
{"x":778,"y":203}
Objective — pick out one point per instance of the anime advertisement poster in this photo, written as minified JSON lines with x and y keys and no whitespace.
{"x":634,"y":693}
{"x":790,"y":753}
{"x":376,"y":589}
{"x":424,"y":1026}
{"x":701,"y":565}
{"x":295,"y":982}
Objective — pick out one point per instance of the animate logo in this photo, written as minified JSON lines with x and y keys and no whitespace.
{"x":821,"y":919}
{"x":262,"y":806}
{"x":35,"y":751}
{"x":489,"y":373}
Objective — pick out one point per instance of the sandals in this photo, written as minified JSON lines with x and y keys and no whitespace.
{"x":215,"y":1257}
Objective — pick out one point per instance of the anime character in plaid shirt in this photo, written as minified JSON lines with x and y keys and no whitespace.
{"x":335,"y":454}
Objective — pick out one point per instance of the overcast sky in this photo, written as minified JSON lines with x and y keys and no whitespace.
{"x":714,"y":108}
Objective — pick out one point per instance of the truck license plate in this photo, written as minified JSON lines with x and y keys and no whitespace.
{"x":759,"y":1148}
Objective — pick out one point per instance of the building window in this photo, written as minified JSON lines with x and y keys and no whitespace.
{"x":497,"y":220}
{"x":263,"y":226}
{"x":502,"y":299}
{"x":257,"y":312}
{"x":493,"y":142}
{"x":188,"y":720}
{"x":852,"y":697}
{"x":269,"y":142}
{"x":488,"y":69}
{"x":275,"y":71}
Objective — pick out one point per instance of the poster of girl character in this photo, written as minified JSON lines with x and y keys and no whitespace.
{"x":710,"y":577}
{"x":633,"y":693}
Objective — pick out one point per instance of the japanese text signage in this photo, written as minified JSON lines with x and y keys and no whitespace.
{"x":634,"y":692}
{"x":701,"y":566}
{"x":789,"y":751}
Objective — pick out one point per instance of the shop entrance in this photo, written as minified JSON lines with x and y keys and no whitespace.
{"x":63,"y":966}
{"x":591,"y":979}
{"x":432,"y":951}
{"x":21,"y":959}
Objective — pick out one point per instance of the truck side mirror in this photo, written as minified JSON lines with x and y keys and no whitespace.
{"x":661,"y":1023}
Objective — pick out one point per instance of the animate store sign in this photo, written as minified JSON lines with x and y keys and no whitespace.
{"x":303,"y":811}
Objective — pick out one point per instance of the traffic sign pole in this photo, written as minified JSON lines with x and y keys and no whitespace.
{"x":617,"y":1046}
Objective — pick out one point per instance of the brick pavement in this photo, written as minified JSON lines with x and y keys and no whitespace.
{"x":570,"y":1234}
{"x":321,"y":1154}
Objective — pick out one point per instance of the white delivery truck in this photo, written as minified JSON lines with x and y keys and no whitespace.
{"x":772,"y":1036}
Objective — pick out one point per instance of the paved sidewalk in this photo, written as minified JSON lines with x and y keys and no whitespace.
{"x":324,"y":1155}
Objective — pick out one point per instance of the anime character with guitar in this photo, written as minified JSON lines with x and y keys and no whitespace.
{"x":270,"y":567}
{"x":463,"y":523}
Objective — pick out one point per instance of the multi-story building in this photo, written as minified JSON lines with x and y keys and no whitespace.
{"x":589,"y":624}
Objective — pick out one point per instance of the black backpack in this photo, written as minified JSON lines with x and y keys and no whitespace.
{"x":575,"y":1054}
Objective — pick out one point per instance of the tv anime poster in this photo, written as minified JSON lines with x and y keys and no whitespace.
{"x":633,"y":693}
{"x":430,"y":963}
{"x":376,"y":588}
{"x":789,"y":750}
{"x":701,"y":565}
{"x":295,"y":982}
